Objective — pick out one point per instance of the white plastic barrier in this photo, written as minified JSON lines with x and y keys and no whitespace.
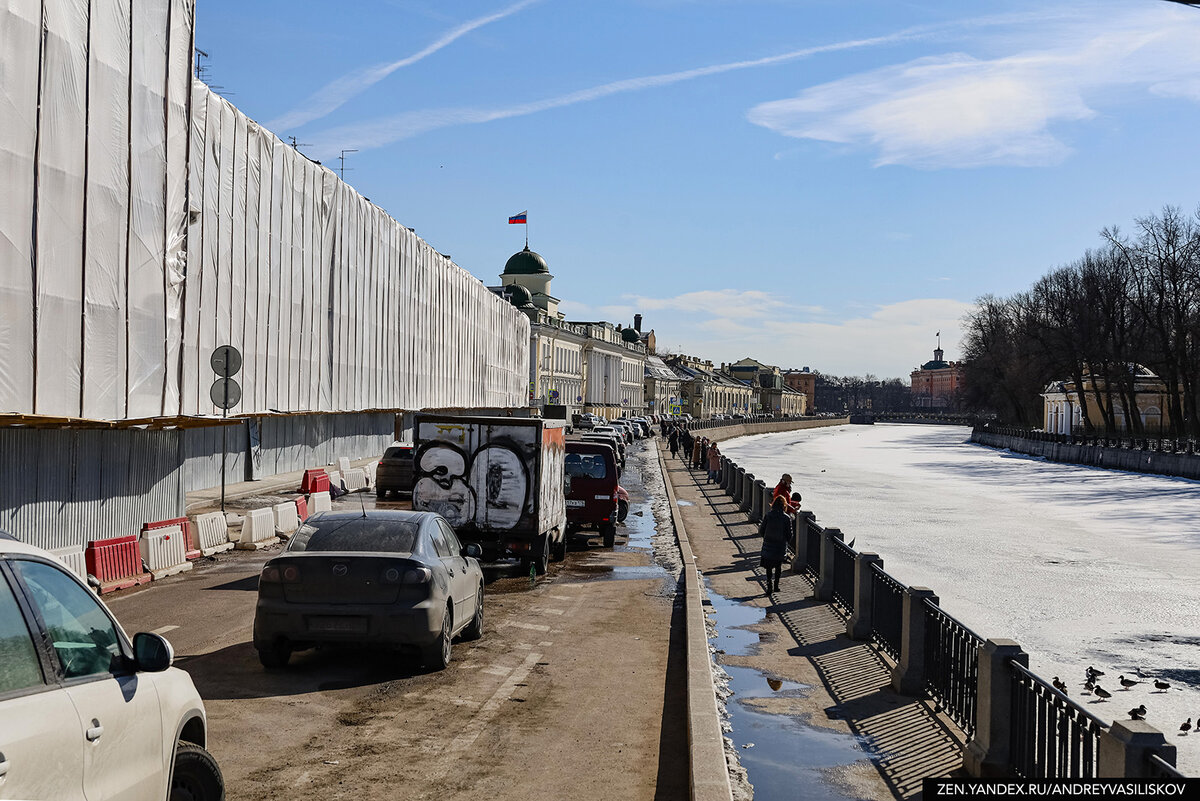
{"x":355,"y":479}
{"x":343,"y":464}
{"x":371,"y":469}
{"x":287,"y":518}
{"x":335,"y":479}
{"x":164,"y":550}
{"x":213,"y":533}
{"x":72,"y":557}
{"x":319,"y":502}
{"x":258,"y":530}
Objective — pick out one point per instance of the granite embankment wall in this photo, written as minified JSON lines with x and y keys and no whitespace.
{"x":1055,"y":449}
{"x":714,"y":431}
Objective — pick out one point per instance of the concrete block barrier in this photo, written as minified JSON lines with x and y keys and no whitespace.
{"x":343,"y":464}
{"x":116,"y":563}
{"x":258,"y":530}
{"x":320,"y":502}
{"x":371,"y":469}
{"x":212,"y":533}
{"x":287,"y":518}
{"x":315,"y":480}
{"x":72,"y":557}
{"x":164,"y":551}
{"x":302,"y":508}
{"x":354,"y":479}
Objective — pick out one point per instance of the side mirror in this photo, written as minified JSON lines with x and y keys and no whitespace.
{"x":472,"y":550}
{"x":152,"y":653}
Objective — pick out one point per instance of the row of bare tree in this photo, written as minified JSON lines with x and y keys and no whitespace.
{"x":1135,"y":300}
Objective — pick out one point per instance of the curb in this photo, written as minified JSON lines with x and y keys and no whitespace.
{"x":708,"y":774}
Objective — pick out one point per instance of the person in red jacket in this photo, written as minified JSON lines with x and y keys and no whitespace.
{"x":784,"y":490}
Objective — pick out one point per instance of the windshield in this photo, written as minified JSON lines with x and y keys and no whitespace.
{"x":357,"y":534}
{"x":585,"y":465}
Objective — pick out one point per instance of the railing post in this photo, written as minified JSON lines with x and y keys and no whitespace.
{"x":988,"y":753}
{"x":858,"y":627}
{"x":1124,"y":747}
{"x":724,"y":475}
{"x":908,"y":677}
{"x":735,"y":484}
{"x":824,"y":588}
{"x":800,"y":540}
{"x":756,"y":501}
{"x":747,"y":492}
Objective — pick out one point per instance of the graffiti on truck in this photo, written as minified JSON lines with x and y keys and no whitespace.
{"x":488,"y":488}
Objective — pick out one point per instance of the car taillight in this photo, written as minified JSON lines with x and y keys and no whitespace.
{"x":270,"y":575}
{"x":391,"y":576}
{"x":290,"y":574}
{"x":417,"y":575}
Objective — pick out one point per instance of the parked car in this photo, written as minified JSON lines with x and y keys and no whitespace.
{"x":613,"y":440}
{"x":587,"y":420}
{"x":388,"y":577}
{"x":394,"y":473}
{"x":592,"y":501}
{"x":85,"y":712}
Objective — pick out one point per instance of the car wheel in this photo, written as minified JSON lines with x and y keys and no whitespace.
{"x":609,"y":532}
{"x":542,"y":563}
{"x":474,"y":629}
{"x":196,"y":776}
{"x":559,"y":551}
{"x":438,"y":655}
{"x":380,"y":493}
{"x":275,"y":656}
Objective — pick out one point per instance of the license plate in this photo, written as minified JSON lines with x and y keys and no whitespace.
{"x":575,"y":504}
{"x":354,"y":625}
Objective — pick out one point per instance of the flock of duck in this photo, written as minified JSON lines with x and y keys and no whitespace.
{"x":1091,"y":686}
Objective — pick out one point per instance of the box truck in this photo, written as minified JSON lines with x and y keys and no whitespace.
{"x":499,"y":481}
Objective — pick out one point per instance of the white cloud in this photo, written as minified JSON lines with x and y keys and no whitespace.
{"x":958,"y":110}
{"x":337,"y":92}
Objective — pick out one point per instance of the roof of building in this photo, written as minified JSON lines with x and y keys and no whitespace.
{"x":630,"y":335}
{"x":935,"y":364}
{"x":526,"y":263}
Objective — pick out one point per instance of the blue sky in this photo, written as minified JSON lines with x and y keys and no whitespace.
{"x":810,"y":182}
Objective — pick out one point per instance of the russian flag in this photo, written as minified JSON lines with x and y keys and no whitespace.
{"x":518,"y":219}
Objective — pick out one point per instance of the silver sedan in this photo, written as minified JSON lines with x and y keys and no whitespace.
{"x":392,"y":578}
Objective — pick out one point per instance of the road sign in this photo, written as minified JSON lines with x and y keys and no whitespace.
{"x":225,"y":393}
{"x":226,"y":360}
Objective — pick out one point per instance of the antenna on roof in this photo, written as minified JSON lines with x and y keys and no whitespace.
{"x":364,"y":504}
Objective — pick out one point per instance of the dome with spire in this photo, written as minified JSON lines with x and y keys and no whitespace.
{"x":526,"y":263}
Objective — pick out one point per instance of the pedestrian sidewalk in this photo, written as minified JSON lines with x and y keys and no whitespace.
{"x":207,"y":500}
{"x":904,"y":739}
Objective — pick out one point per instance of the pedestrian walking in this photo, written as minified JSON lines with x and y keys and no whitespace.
{"x":784,"y":490}
{"x":775,"y":530}
{"x":714,"y":463}
{"x":673,"y":441}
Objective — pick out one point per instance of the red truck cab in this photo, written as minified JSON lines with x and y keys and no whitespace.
{"x":592,"y":500}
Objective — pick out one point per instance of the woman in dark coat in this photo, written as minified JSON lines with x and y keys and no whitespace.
{"x":673,"y":441}
{"x":776,"y":532}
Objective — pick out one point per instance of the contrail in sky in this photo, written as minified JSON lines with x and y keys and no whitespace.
{"x":331,"y":96}
{"x":412,"y":123}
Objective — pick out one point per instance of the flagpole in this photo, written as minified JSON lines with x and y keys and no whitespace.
{"x":527,"y":230}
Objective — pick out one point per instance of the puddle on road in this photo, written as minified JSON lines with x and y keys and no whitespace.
{"x":779,"y":753}
{"x":684,"y":503}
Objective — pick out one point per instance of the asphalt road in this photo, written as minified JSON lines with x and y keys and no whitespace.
{"x":575,"y":690}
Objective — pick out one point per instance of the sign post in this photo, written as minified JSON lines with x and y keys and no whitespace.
{"x":226,"y":362}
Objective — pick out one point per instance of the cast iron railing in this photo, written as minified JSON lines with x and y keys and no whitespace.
{"x":1052,"y":736}
{"x":887,"y":612}
{"x":812,"y":549}
{"x":952,"y":666}
{"x":843,"y":575}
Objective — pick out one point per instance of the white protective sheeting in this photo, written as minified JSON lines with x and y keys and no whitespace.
{"x":334,"y":305}
{"x":145,"y":220}
{"x":93,"y":150}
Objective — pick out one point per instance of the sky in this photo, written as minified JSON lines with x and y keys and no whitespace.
{"x":807,"y":182}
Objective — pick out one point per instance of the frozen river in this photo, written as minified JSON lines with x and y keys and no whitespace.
{"x":1081,"y":566}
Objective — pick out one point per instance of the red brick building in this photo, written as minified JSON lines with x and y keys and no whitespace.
{"x":936,"y":383}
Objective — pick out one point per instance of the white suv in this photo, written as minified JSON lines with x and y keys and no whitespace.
{"x":84,"y":711}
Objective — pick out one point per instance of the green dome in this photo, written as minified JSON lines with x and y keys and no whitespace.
{"x":526,"y":263}
{"x":518,"y":295}
{"x":630,"y":335}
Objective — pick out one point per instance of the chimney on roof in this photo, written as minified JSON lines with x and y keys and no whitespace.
{"x":637,"y":323}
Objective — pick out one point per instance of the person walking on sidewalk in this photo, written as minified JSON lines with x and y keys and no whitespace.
{"x":714,"y":462}
{"x":673,"y":441}
{"x":775,"y":530}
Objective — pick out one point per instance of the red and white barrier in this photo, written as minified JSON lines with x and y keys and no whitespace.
{"x":213,"y":533}
{"x":302,"y":508}
{"x":320,"y":502}
{"x":315,"y":480}
{"x":258,"y":530}
{"x":72,"y":557}
{"x":191,"y":548}
{"x":164,"y":550}
{"x":115,"y":562}
{"x":287,"y":518}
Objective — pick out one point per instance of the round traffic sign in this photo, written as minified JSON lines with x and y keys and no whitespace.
{"x":226,"y":360}
{"x":225,"y":393}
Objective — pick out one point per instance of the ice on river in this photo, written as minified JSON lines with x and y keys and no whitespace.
{"x":1081,"y":566}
